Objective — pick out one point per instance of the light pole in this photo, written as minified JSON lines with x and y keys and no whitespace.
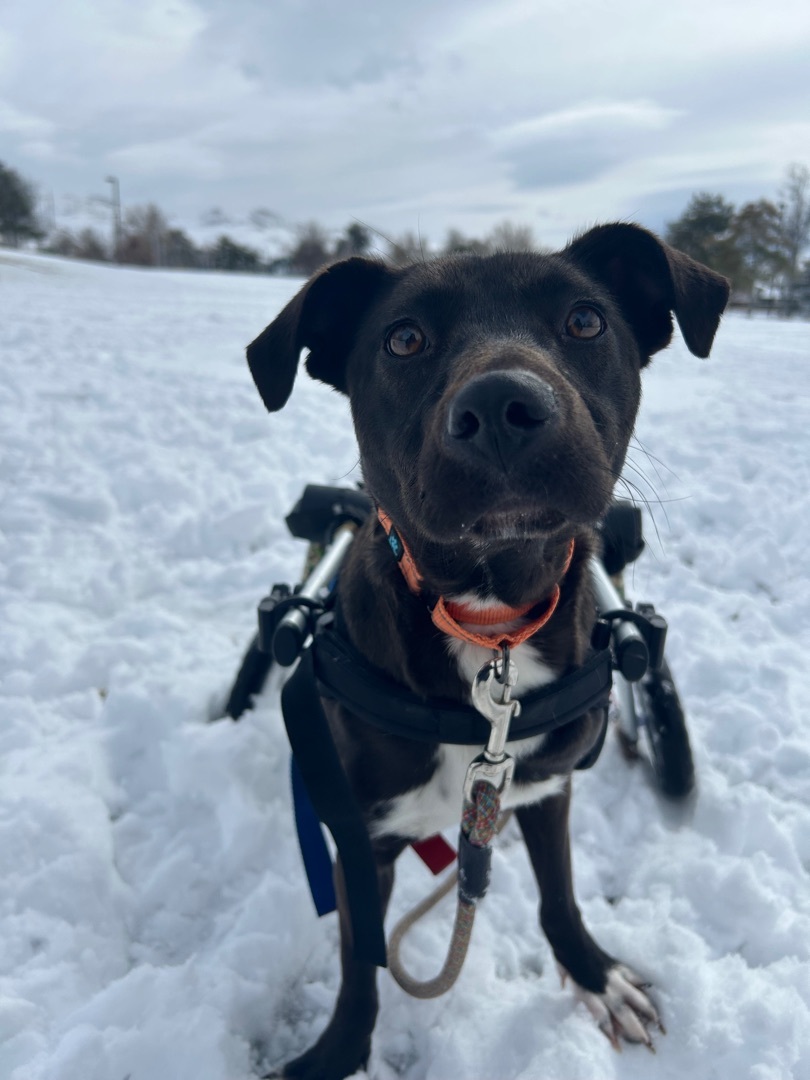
{"x":115,"y":203}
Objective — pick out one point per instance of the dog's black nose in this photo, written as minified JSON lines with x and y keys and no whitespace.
{"x":500,"y":413}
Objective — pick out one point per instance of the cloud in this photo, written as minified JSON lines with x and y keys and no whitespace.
{"x":14,"y":121}
{"x":577,"y":144}
{"x":181,"y":156}
{"x":590,"y":118}
{"x":418,"y":115}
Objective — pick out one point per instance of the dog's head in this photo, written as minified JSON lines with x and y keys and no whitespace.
{"x":493,"y":397}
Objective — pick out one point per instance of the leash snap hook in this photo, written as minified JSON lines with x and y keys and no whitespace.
{"x":491,"y":694}
{"x":504,"y":671}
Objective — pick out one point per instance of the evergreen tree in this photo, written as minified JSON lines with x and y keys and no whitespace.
{"x":356,"y":240}
{"x":705,"y":231}
{"x":17,"y":208}
{"x":228,"y":255}
{"x":757,"y":231}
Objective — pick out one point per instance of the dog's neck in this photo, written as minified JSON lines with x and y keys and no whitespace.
{"x":473,"y":618}
{"x":392,"y":626}
{"x":514,"y":576}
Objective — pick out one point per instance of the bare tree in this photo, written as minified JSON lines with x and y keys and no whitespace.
{"x":143,"y":236}
{"x":310,"y":251}
{"x":87,"y":244}
{"x":506,"y":236}
{"x":91,"y":246}
{"x":457,"y":243}
{"x":407,"y":248}
{"x":795,"y":208}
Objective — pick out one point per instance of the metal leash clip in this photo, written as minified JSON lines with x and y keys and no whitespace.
{"x":491,"y":694}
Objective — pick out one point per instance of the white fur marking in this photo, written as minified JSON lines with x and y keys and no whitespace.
{"x":532,"y":669}
{"x":437,"y":805}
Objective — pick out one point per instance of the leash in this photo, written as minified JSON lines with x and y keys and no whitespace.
{"x":486,"y":783}
{"x":330,"y":667}
{"x":459,"y":941}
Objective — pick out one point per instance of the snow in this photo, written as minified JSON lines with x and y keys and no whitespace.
{"x":154,"y":920}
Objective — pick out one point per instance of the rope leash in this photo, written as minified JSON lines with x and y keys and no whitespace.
{"x":488,"y":778}
{"x":480,"y":822}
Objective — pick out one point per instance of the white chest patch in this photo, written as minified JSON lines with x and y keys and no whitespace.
{"x":437,"y":805}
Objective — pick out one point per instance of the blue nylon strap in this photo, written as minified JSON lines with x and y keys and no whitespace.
{"x":333,"y":801}
{"x":314,"y":852}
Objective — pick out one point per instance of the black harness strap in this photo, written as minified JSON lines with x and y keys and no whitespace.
{"x":330,"y":667}
{"x":331,"y":795}
{"x":346,"y":677}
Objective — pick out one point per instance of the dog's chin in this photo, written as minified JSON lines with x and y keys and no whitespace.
{"x":500,"y":528}
{"x":504,"y":527}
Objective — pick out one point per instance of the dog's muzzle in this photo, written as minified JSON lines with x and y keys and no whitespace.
{"x":500,"y":415}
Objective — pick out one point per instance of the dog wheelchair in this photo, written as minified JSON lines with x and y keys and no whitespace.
{"x":645,"y":707}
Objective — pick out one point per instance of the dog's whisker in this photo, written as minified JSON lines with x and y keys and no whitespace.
{"x":653,"y":458}
{"x":348,"y":472}
{"x":635,"y":495}
{"x":630,"y":464}
{"x":648,"y":500}
{"x":644,"y":477}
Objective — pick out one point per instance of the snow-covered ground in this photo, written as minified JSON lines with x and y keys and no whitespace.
{"x":154,"y":920}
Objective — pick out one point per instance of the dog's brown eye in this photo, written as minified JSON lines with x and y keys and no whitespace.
{"x":406,"y":340}
{"x":584,"y":323}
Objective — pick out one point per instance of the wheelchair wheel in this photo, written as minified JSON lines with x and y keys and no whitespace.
{"x":661,"y":714}
{"x":249,"y":680}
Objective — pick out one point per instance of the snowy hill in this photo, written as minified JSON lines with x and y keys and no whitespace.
{"x":154,"y":920}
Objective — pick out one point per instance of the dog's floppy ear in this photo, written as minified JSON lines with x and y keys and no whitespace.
{"x":323,"y":318}
{"x":651,"y":280}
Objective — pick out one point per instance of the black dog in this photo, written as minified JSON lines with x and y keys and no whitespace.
{"x":493,"y":400}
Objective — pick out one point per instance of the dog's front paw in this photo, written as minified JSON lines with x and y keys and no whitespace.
{"x":623,"y":1009}
{"x":327,"y":1060}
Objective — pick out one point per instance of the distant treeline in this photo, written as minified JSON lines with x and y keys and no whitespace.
{"x":760,"y":245}
{"x":144,"y":237}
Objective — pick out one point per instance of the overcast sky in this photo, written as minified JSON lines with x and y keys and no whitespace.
{"x":407,"y":114}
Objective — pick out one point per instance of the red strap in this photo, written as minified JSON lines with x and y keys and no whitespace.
{"x":435,"y":852}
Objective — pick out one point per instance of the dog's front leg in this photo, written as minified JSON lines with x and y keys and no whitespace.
{"x":344,"y":1046}
{"x":614,"y":994}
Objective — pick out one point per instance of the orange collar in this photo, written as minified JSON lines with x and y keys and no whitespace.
{"x":447,"y":615}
